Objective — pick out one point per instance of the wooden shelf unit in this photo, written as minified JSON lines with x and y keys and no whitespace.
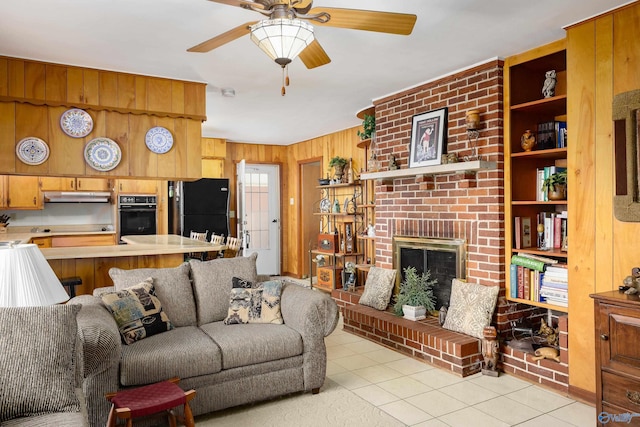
{"x":524,"y":108}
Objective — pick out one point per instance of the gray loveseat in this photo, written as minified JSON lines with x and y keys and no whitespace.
{"x":227,"y":365}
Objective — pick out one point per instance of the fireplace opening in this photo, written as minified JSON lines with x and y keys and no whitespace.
{"x":444,"y":258}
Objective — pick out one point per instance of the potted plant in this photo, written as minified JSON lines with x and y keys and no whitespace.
{"x":555,"y":185}
{"x":368,"y":127}
{"x":338,"y":163}
{"x":416,"y":295}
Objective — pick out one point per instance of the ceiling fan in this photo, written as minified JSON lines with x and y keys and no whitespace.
{"x":286,"y":34}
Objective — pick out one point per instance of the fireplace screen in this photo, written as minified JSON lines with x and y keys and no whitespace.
{"x":445,"y":258}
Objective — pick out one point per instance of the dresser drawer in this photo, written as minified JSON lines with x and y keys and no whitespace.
{"x":620,"y":391}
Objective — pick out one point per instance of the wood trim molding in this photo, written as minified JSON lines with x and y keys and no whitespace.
{"x":42,"y":102}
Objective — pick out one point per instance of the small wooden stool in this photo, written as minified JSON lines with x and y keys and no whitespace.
{"x":149,"y":400}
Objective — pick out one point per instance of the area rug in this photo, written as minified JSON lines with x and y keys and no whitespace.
{"x":333,"y":406}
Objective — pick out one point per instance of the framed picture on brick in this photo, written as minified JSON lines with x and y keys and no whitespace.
{"x":428,"y":138}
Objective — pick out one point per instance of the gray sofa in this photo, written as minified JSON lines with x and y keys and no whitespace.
{"x":227,"y":365}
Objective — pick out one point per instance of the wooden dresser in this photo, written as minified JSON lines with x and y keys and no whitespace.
{"x":617,"y":328}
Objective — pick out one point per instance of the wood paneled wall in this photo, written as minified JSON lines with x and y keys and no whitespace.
{"x":341,"y":143}
{"x":34,"y":95}
{"x":603,"y":60}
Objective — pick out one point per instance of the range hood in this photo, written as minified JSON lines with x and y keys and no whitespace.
{"x":77,"y":197}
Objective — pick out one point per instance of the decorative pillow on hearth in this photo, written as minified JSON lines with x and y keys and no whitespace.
{"x":259,"y":304}
{"x":137,"y":311}
{"x":378,"y":288}
{"x":470,"y":307}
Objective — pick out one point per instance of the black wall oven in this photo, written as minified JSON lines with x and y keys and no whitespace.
{"x":137,"y":215}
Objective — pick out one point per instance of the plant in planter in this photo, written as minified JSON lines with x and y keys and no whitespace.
{"x":368,"y":127}
{"x":415,"y":291}
{"x":338,"y":163}
{"x":555,"y":185}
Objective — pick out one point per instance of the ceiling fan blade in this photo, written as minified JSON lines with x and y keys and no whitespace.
{"x":368,"y":20}
{"x":240,"y":3}
{"x":314,"y":55}
{"x":224,"y":38}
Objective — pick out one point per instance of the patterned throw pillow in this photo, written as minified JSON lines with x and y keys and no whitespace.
{"x":137,"y":312}
{"x":470,"y":307}
{"x":260,"y":304}
{"x":378,"y":288}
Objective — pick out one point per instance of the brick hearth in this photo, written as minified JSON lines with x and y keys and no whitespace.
{"x":425,"y":339}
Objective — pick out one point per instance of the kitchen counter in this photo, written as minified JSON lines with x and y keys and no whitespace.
{"x":136,"y":246}
{"x":26,"y":236}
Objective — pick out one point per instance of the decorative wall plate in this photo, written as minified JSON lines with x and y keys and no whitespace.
{"x":76,"y":123}
{"x":325,"y":205}
{"x":102,"y":154}
{"x":159,"y":140}
{"x":32,"y":150}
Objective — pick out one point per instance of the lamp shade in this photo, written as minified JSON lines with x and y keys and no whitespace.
{"x":26,"y":278}
{"x":281,"y":38}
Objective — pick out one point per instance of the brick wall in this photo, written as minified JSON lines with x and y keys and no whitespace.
{"x":467,"y":205}
{"x":458,"y":205}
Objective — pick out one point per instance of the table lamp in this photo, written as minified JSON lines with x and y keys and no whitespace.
{"x":26,"y":278}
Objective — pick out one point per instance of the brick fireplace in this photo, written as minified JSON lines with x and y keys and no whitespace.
{"x":467,"y":206}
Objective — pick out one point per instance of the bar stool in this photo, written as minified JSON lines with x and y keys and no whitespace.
{"x":70,"y":283}
{"x":149,"y":400}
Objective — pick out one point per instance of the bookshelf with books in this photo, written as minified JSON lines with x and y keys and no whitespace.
{"x":526,"y":205}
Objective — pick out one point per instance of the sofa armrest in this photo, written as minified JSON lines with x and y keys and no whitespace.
{"x":99,"y":335}
{"x":314,"y":315}
{"x":101,"y":349}
{"x":304,"y":308}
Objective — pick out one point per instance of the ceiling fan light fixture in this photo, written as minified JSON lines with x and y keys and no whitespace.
{"x":281,"y":38}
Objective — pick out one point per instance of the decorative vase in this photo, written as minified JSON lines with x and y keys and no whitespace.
{"x":528,"y":140}
{"x":414,"y":313}
{"x":557,"y":192}
{"x":338,"y":171}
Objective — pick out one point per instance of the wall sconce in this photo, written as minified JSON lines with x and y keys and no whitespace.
{"x":472,"y":121}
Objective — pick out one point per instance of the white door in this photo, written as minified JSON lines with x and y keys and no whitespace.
{"x":259,"y":214}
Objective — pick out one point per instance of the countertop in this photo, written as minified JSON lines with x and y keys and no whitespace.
{"x":136,"y":246}
{"x":26,"y":236}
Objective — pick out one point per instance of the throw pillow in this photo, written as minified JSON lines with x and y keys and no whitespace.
{"x":137,"y":311}
{"x":378,"y":288}
{"x":211,"y":281}
{"x":470,"y":307}
{"x":38,"y":360}
{"x":172,"y":286}
{"x":255,"y":305}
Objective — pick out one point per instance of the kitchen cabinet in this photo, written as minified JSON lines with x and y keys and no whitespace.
{"x":617,"y":330}
{"x":83,"y":240}
{"x":22,"y":192}
{"x":50,"y":183}
{"x":137,"y":186}
{"x":42,"y":242}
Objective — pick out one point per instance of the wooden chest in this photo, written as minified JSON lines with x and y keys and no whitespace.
{"x":329,"y":277}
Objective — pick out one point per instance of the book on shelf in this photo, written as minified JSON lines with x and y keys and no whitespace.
{"x":544,"y":259}
{"x":521,"y":270}
{"x":530,"y":263}
{"x":522,"y":232}
{"x":513,"y":281}
{"x":541,"y":195}
{"x":552,"y":134}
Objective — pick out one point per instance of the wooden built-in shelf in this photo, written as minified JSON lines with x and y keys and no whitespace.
{"x":540,"y":304}
{"x":431,"y":170}
{"x":538,"y":202}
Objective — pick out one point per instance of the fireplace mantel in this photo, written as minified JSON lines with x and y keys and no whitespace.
{"x":431,"y":170}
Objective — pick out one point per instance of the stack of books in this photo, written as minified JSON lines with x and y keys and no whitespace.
{"x":555,"y":285}
{"x":529,"y":279}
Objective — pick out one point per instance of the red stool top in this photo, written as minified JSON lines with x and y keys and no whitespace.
{"x":150,"y":399}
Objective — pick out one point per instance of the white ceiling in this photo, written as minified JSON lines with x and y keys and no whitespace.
{"x":151,"y":37}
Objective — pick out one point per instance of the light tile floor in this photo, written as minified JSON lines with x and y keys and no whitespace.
{"x":418,"y":394}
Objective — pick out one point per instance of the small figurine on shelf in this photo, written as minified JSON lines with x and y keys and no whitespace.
{"x":371,"y":231}
{"x":336,"y":206}
{"x":527,"y":141}
{"x":541,"y":242}
{"x":392,"y":163}
{"x":549,"y":87}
